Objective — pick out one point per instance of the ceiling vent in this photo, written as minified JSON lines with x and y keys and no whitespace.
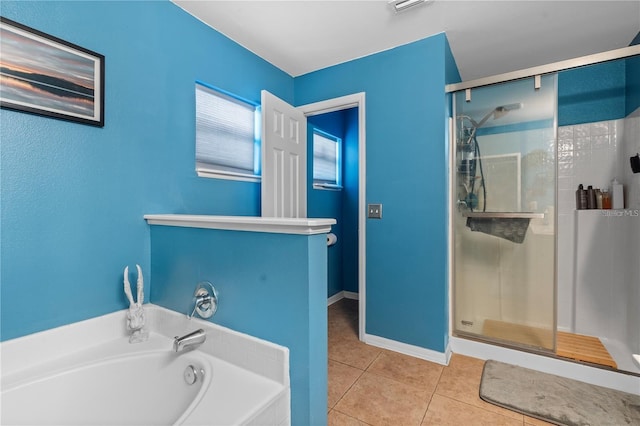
{"x":402,"y":5}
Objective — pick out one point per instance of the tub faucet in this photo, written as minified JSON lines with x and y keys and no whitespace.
{"x":189,"y":340}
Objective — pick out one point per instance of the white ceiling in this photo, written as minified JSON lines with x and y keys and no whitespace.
{"x":486,"y":37}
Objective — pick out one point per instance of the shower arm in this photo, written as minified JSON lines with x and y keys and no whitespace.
{"x":485,"y":118}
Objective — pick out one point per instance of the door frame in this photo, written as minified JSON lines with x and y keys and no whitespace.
{"x":339,"y":104}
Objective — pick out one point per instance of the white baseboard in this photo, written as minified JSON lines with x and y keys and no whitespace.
{"x":392,"y":345}
{"x":404,"y":348}
{"x":351,"y":295}
{"x":342,"y":295}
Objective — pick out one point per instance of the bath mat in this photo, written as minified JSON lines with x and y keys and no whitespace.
{"x":556,"y":399}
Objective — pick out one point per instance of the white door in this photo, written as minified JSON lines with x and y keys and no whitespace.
{"x":284,"y":159}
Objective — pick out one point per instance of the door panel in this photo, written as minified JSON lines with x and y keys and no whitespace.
{"x":284,"y":161}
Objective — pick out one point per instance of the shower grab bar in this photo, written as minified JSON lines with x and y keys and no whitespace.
{"x":504,"y":215}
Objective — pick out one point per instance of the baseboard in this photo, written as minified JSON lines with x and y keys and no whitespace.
{"x":392,"y":345}
{"x":351,"y":295}
{"x":411,"y":350}
{"x":333,"y":299}
{"x":342,"y":295}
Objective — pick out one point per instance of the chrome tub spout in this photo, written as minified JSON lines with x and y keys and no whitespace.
{"x":189,"y":340}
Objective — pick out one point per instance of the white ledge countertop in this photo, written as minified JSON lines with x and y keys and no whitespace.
{"x":278,"y":225}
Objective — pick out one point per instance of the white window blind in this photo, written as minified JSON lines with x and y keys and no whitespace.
{"x":326,"y":159}
{"x":226,"y":135}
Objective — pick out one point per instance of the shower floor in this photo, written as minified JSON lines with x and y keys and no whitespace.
{"x":568,"y":345}
{"x":583,"y":348}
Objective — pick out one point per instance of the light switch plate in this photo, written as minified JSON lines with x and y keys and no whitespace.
{"x":374,"y":211}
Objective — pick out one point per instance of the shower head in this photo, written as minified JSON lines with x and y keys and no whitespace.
{"x":499,"y":112}
{"x":503,"y":110}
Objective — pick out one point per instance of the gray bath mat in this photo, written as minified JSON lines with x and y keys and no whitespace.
{"x":556,"y":399}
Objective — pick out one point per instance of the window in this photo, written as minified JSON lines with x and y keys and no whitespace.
{"x":326,"y":160}
{"x":227,"y":135}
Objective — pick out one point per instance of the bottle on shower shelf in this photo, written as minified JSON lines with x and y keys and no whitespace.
{"x":598,"y":199}
{"x":606,"y":199}
{"x":617,"y":196}
{"x":581,"y":198}
{"x":591,"y":198}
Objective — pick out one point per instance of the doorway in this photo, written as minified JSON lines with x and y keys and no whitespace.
{"x":340,"y":104}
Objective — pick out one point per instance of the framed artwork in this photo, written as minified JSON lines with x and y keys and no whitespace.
{"x":45,"y":75}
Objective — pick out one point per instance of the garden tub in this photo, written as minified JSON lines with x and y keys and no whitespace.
{"x":88,"y":373}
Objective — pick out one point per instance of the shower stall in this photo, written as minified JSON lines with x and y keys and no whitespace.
{"x":503,"y":219}
{"x":530,"y":271}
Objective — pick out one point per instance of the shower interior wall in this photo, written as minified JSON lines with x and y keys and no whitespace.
{"x":598,"y":284}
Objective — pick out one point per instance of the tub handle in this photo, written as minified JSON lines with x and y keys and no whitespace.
{"x":206,"y":300}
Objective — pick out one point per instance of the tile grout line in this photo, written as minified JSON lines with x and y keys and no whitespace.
{"x":424,"y":416}
{"x":349,"y":321}
{"x":351,"y":417}
{"x":437,"y":389}
{"x":348,"y":389}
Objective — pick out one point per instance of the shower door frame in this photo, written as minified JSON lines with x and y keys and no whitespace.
{"x":568,"y":64}
{"x":450,"y":90}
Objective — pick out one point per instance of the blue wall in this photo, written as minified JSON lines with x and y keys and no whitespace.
{"x":599,"y":92}
{"x":73,"y":196}
{"x":406,"y":163}
{"x":271,"y":286}
{"x":592,"y":93}
{"x":633,"y":85}
{"x":633,"y":80}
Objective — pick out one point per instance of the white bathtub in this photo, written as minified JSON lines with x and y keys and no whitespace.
{"x":89,"y":374}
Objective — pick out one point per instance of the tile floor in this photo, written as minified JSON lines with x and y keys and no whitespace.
{"x":373,"y":386}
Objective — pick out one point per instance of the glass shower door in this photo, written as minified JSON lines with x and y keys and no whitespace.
{"x":504,"y":196}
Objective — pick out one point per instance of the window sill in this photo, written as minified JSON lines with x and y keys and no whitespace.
{"x":217,"y":174}
{"x":327,"y":186}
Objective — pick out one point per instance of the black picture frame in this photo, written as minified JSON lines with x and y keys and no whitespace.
{"x":44,"y":75}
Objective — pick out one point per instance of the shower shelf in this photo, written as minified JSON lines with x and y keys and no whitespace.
{"x":504,"y":215}
{"x":511,"y":226}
